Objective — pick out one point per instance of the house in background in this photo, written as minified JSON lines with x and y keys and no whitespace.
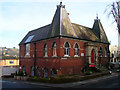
{"x":62,"y":47}
{"x":9,"y":61}
{"x":114,"y":54}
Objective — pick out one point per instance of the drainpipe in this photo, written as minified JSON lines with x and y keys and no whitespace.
{"x":34,"y":59}
{"x":108,"y":56}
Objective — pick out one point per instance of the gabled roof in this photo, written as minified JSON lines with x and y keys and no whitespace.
{"x":62,"y":26}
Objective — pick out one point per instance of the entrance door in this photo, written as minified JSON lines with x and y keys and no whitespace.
{"x":92,"y":56}
{"x":92,"y":59}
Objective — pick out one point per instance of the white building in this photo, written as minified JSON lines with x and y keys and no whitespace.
{"x":114,"y":54}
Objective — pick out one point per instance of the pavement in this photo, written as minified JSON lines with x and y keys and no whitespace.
{"x":66,"y":85}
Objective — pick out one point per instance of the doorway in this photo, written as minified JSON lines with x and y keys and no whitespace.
{"x":92,"y":58}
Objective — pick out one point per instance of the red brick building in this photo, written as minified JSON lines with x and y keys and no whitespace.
{"x":62,"y":47}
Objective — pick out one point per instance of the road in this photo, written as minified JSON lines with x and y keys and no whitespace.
{"x":112,"y":82}
{"x":18,"y":84}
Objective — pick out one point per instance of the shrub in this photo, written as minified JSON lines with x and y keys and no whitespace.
{"x":34,"y":78}
{"x":19,"y":73}
{"x":16,"y":73}
{"x":25,"y":74}
{"x":61,"y":76}
{"x":88,"y":72}
{"x":66,"y":79}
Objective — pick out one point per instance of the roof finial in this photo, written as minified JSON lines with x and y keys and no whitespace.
{"x":63,"y":6}
{"x":61,"y":3}
{"x":97,"y":16}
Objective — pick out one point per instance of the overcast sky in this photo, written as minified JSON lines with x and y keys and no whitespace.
{"x":18,"y":17}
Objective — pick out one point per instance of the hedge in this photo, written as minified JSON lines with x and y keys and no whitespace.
{"x":65,"y":79}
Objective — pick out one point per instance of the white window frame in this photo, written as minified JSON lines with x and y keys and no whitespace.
{"x":66,"y":51}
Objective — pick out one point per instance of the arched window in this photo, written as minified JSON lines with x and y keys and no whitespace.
{"x":45,"y":72}
{"x":38,"y":71}
{"x":54,"y":49}
{"x":100,"y":52}
{"x":45,"y":50}
{"x":27,"y":50}
{"x":105,"y":52}
{"x":54,"y":72}
{"x":66,"y":49}
{"x":32,"y":71}
{"x":76,"y":50}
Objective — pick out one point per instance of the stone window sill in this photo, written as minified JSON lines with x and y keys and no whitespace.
{"x":76,"y":56}
{"x":54,"y":56}
{"x":66,"y":56}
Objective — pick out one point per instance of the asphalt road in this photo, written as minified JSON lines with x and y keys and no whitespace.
{"x":113,"y":82}
{"x":15,"y":84}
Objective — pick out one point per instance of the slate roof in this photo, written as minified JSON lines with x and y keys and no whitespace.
{"x":39,"y":34}
{"x":99,"y":31}
{"x":62,"y":26}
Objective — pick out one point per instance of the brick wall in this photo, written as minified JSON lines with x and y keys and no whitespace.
{"x":63,"y":65}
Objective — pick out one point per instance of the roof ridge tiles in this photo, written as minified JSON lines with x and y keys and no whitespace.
{"x":82,"y":25}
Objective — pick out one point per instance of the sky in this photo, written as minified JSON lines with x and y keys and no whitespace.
{"x":18,"y":17}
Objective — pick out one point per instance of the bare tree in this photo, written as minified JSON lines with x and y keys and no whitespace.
{"x":115,"y":12}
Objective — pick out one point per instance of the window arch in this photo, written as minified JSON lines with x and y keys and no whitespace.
{"x":54,"y":49}
{"x":76,"y":50}
{"x":105,"y":52}
{"x":66,"y":53}
{"x":45,"y":50}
